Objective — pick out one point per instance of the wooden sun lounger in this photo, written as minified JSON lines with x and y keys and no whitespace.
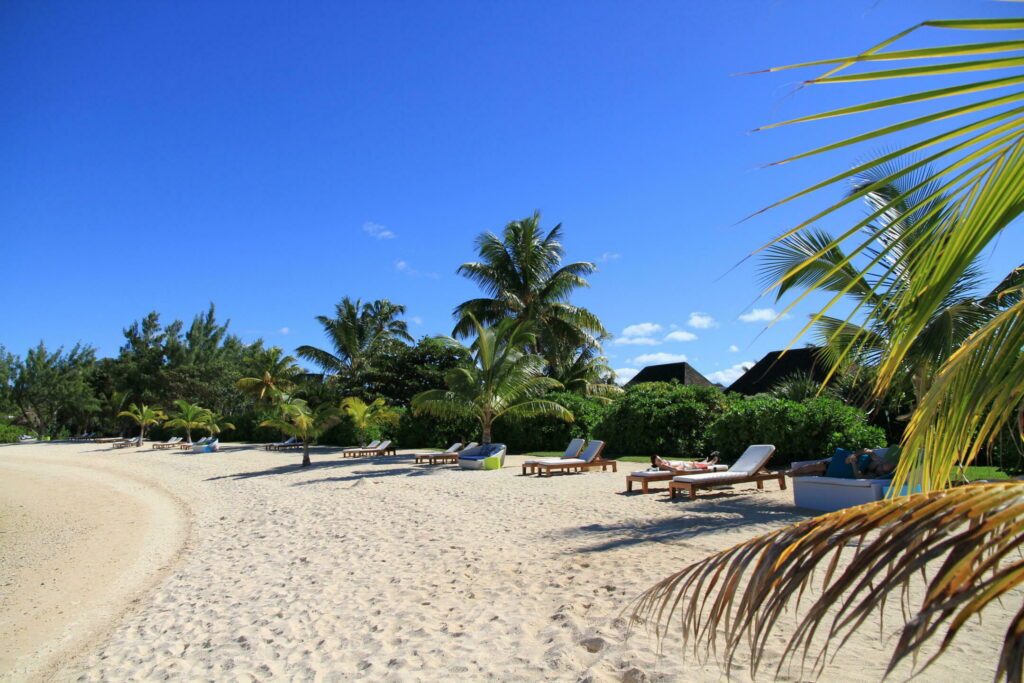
{"x":645,"y":479}
{"x":174,"y":442}
{"x":572,"y":464}
{"x":386,"y":448}
{"x":760,"y":478}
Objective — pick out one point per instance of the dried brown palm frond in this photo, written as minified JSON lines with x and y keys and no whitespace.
{"x":963,"y":543}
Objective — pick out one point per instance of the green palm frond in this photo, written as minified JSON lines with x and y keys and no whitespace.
{"x":964,"y":543}
{"x":523,"y":277}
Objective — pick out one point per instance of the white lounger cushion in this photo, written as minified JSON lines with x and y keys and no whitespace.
{"x":573,"y":449}
{"x":753,"y":459}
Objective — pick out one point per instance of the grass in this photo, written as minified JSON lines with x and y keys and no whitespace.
{"x":976,"y":473}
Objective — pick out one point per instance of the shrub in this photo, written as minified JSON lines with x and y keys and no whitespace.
{"x":425,"y":431}
{"x":550,"y":433}
{"x":800,"y":431}
{"x":666,"y":418}
{"x":9,"y":433}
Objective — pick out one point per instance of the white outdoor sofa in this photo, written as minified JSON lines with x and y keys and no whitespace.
{"x":827,"y":494}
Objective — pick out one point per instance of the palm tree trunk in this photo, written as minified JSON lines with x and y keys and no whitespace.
{"x":305,"y":453}
{"x":486,"y":438}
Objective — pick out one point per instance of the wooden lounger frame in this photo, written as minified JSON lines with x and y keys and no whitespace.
{"x":370,"y":452}
{"x":162,"y":445}
{"x":437,"y":458}
{"x":760,"y":478}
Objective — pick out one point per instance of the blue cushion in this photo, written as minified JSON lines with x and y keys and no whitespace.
{"x":838,"y":467}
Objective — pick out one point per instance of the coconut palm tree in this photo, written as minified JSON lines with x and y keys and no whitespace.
{"x":356,"y":332}
{"x":583,"y":370}
{"x":522,"y":275}
{"x":214,"y":423}
{"x":499,"y":380}
{"x":815,"y":258}
{"x":144,"y":416}
{"x":295,"y":418}
{"x":188,"y":416}
{"x":367,"y":416}
{"x":964,"y":541}
{"x":273,"y":372}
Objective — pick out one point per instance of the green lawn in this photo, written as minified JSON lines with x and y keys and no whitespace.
{"x":975,"y":473}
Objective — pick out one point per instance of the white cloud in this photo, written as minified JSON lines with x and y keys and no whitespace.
{"x":680,"y":335}
{"x":639,"y":341}
{"x":733,"y":348}
{"x":701,"y":321}
{"x":659,"y":357}
{"x":402,"y":266}
{"x":378,"y":231}
{"x":641,"y":330}
{"x":623,"y":375}
{"x":609,"y":256}
{"x":416,"y":320}
{"x":284,"y":330}
{"x":759,"y":315}
{"x":731,"y":374}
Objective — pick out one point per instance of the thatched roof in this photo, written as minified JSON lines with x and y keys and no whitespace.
{"x":777,"y":366}
{"x":683,"y":372}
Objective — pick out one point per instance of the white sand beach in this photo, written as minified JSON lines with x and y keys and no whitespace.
{"x":144,"y":565}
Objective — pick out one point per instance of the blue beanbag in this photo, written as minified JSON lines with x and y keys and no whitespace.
{"x":838,"y":467}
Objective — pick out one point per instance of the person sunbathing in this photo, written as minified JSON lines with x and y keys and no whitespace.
{"x":867,"y":464}
{"x":685,"y":466}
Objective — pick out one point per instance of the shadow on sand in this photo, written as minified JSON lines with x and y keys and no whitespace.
{"x":725,"y":511}
{"x":295,"y":467}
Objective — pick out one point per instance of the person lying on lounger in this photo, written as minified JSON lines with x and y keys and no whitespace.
{"x":867,"y":464}
{"x":683,"y":467}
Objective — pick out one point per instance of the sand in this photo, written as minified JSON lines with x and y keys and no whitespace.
{"x":242,"y":566}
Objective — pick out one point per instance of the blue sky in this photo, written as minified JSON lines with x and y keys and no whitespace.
{"x":272,"y":158}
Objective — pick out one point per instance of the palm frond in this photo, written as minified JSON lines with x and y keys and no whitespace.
{"x":968,"y":538}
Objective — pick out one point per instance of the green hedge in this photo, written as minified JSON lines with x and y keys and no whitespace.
{"x":666,"y":418}
{"x":424,"y":431}
{"x":550,"y":433}
{"x":800,"y":431}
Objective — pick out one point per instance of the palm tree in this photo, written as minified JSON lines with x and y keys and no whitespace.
{"x":366,"y":416}
{"x":214,"y":423}
{"x":973,"y":533}
{"x":273,"y":372}
{"x":296,"y":418}
{"x":583,"y":370}
{"x":522,"y":274}
{"x":144,"y":416}
{"x":499,"y":380}
{"x":815,"y":258}
{"x":356,"y":332}
{"x":188,"y":416}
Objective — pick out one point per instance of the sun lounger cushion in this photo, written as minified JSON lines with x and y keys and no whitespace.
{"x":753,"y":459}
{"x":705,"y":478}
{"x":591,"y":451}
{"x":574,"y":448}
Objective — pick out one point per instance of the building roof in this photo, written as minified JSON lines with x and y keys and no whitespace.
{"x":683,"y":372}
{"x":778,"y":365}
